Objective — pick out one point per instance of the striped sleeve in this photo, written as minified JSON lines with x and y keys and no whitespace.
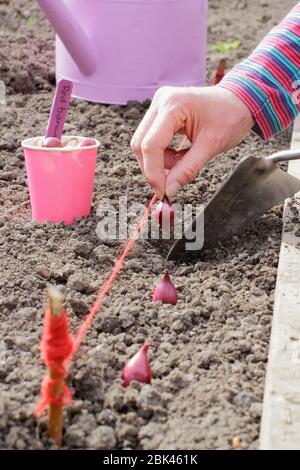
{"x":268,"y":82}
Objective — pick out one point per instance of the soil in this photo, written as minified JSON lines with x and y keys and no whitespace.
{"x":209,"y":366}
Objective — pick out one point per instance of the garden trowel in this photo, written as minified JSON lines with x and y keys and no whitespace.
{"x":254,"y":187}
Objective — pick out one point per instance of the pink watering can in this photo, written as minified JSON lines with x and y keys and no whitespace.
{"x":115,"y":51}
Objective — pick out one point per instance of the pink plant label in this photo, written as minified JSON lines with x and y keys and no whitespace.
{"x":59,"y":109}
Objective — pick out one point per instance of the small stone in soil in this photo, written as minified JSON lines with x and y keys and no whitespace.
{"x":80,"y":284}
{"x":44,"y":273}
{"x":102,"y":438}
{"x":106,"y":417}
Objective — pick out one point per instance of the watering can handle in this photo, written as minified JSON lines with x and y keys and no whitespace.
{"x":77,"y":42}
{"x":285,"y":155}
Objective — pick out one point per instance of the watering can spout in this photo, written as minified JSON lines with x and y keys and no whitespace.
{"x":77,"y":42}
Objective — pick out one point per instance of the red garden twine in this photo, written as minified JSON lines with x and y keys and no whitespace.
{"x":108,"y":283}
{"x":58,"y":346}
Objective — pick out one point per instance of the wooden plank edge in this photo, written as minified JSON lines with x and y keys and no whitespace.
{"x":280,"y":425}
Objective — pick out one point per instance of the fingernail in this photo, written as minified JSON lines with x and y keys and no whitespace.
{"x":172,"y":189}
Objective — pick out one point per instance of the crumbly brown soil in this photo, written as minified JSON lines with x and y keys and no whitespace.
{"x":209,"y":367}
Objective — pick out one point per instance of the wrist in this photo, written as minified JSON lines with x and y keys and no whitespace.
{"x":240,"y":114}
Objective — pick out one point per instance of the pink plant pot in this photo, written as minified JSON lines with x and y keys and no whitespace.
{"x":60,"y":180}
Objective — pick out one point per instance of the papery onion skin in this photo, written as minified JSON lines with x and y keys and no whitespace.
{"x":164,"y":214}
{"x":165,"y":291}
{"x":52,"y":142}
{"x":137,"y":368}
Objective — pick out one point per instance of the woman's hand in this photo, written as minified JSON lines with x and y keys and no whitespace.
{"x":213,"y":119}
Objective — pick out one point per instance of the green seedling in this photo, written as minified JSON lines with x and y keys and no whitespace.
{"x":30,"y":22}
{"x":224,"y":47}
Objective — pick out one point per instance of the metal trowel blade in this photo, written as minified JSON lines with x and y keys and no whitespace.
{"x":254,"y":187}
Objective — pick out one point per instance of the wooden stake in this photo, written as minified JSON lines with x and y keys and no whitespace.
{"x":236,"y":443}
{"x":55,"y":413}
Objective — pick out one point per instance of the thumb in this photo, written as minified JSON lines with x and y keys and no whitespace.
{"x":186,"y":169}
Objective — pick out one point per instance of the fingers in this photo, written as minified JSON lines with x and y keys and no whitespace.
{"x":153,"y":146}
{"x":186,"y":169}
{"x":141,"y":131}
{"x":162,"y":121}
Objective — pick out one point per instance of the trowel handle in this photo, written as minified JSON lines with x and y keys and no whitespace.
{"x":283,"y":156}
